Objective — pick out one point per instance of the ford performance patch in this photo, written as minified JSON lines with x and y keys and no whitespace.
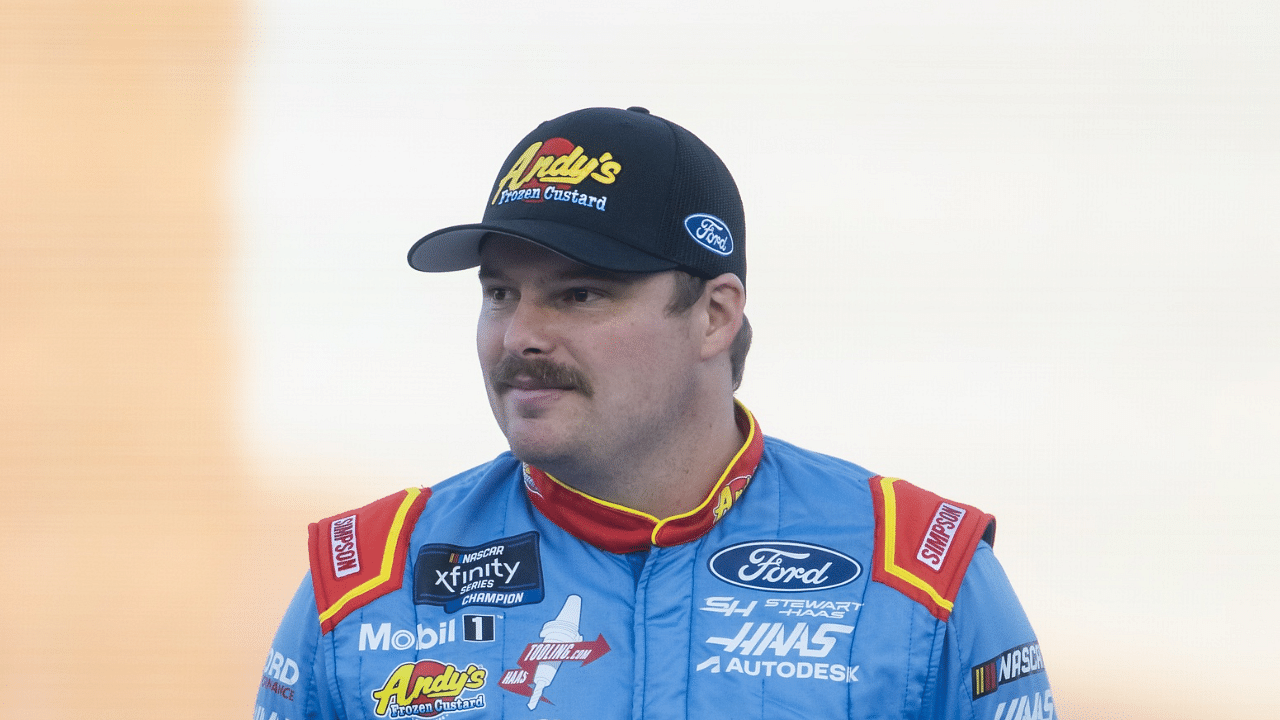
{"x":503,"y":573}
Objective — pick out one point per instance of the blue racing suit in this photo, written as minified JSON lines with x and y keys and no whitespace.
{"x":803,"y":587}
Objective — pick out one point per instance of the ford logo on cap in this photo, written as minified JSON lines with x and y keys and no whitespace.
{"x":710,"y":232}
{"x":779,"y":566}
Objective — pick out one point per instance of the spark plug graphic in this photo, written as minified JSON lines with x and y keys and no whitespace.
{"x":564,"y":629}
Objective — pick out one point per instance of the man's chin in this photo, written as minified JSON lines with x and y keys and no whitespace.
{"x":541,"y":456}
{"x":538,"y":439}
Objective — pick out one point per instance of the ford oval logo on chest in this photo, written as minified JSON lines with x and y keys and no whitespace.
{"x":780,"y":566}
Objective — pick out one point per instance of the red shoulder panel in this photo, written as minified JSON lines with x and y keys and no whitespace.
{"x":359,"y":556}
{"x":924,"y":542}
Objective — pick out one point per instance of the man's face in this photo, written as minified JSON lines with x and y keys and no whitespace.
{"x":585,"y":369}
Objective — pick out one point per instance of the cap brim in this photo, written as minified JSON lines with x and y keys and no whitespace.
{"x":458,"y":247}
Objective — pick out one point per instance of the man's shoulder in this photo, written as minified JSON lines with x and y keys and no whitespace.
{"x":828,"y":490}
{"x":359,"y":555}
{"x":475,"y":480}
{"x":789,"y":456}
{"x":923,"y":541}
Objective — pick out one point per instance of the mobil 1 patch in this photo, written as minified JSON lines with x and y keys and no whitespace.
{"x":503,"y":573}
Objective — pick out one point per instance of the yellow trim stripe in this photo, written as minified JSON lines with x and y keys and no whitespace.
{"x":891,"y":536}
{"x":388,"y":557}
{"x":598,"y":501}
{"x":658,"y":523}
{"x":715,"y":489}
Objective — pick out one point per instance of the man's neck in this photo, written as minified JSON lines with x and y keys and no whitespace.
{"x":670,"y":478}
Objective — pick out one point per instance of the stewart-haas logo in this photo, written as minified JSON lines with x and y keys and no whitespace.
{"x":561,"y":643}
{"x":548,"y":170}
{"x":429,"y":688}
{"x":503,"y":573}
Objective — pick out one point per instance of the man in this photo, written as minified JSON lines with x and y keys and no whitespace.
{"x":643,"y":550}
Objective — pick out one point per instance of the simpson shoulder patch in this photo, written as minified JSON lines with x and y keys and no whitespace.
{"x":924,"y":542}
{"x":359,"y":556}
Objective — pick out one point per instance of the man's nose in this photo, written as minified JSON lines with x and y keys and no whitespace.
{"x":530,"y":331}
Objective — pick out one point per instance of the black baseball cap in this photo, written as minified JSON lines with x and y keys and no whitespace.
{"x":620,"y":190}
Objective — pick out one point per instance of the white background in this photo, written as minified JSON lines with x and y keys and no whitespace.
{"x":1025,"y":254}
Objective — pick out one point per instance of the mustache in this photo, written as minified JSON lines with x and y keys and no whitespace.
{"x":543,"y":372}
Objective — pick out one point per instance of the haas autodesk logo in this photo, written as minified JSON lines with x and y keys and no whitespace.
{"x":779,"y":566}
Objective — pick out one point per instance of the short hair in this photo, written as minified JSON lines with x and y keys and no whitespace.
{"x":688,"y":289}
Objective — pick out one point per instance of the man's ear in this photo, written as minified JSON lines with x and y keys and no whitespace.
{"x":726,"y":301}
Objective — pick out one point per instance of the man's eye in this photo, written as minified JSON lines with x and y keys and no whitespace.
{"x":496,"y":294}
{"x":582,"y":295}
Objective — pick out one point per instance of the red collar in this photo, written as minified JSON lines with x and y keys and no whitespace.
{"x":620,"y":529}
